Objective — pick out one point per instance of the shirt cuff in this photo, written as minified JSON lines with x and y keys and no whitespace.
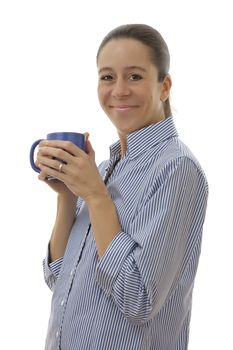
{"x":52,"y":269}
{"x":55,"y":266}
{"x":112,"y":261}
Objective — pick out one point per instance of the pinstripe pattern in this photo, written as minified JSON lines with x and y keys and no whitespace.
{"x":139,"y":294}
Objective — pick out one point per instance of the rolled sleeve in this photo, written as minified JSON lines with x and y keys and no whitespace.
{"x":111,"y":262}
{"x":51,"y":270}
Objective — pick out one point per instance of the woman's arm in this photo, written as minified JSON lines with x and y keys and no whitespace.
{"x":66,"y":202}
{"x":81,"y":178}
{"x":141,"y":268}
{"x":66,"y":212}
{"x":104,"y":221}
{"x":66,"y":208}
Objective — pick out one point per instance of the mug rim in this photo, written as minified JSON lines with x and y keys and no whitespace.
{"x":65,"y":133}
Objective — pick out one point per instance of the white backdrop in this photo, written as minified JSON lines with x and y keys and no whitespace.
{"x":48,"y":83}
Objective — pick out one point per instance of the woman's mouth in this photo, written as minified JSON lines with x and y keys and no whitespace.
{"x":123,"y":108}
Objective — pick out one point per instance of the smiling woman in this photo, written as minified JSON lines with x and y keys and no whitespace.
{"x":130,"y":85}
{"x":129,"y":90}
{"x":132,"y":90}
{"x":124,"y":250}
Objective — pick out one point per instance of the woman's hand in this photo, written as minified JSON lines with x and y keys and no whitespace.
{"x":55,"y":184}
{"x":79,"y":172}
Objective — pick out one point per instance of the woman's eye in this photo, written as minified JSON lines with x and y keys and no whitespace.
{"x":106,"y":77}
{"x":135,"y":77}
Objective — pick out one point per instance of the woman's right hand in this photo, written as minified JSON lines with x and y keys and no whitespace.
{"x":58,"y":186}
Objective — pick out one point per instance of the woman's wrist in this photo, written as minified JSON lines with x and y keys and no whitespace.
{"x":67,"y":198}
{"x":104,"y":221}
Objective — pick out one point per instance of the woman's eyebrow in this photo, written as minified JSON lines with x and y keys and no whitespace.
{"x":136,"y":67}
{"x":104,"y":68}
{"x":126,"y":68}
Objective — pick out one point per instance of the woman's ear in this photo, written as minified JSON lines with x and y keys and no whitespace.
{"x":166,"y":87}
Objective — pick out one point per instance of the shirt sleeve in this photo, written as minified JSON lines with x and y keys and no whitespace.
{"x":51,"y":270}
{"x":142,"y":267}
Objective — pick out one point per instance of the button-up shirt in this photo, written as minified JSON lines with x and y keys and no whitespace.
{"x":138,"y":295}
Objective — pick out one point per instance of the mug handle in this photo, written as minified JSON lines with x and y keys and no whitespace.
{"x":32,"y":150}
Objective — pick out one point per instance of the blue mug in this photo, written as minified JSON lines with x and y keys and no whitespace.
{"x":77,"y":138}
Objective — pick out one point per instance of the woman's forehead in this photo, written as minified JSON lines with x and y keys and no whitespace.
{"x":127,"y":44}
{"x":128,"y":52}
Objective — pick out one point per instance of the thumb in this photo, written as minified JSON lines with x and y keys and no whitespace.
{"x":86,"y":135}
{"x":89,"y":149}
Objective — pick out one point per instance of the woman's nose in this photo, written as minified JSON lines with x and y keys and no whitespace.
{"x":120,"y":89}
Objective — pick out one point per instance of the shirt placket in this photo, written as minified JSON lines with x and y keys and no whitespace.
{"x":113,"y":162}
{"x":68,"y":278}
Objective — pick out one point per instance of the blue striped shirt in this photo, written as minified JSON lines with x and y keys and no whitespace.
{"x":138,"y":295}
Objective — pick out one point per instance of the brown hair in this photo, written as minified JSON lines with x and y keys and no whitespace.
{"x":150,"y":37}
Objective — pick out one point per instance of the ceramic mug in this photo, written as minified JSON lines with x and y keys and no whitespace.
{"x":77,"y":138}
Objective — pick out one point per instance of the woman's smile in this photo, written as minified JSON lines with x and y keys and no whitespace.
{"x":123,"y":108}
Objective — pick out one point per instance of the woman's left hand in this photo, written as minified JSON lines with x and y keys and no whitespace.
{"x":79,"y":171}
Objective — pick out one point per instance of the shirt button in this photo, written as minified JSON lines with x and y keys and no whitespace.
{"x":71,"y":272}
{"x":62,"y":302}
{"x":57,"y":334}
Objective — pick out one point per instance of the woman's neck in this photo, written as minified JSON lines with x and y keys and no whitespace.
{"x":124,"y":146}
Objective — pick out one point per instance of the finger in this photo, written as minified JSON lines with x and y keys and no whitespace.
{"x":67,"y":146}
{"x":49,"y":162}
{"x":42,"y":143}
{"x":37,"y":163}
{"x":47,"y":172}
{"x":89,"y":149}
{"x":42,"y":176}
{"x":50,"y":153}
{"x":86,"y":135}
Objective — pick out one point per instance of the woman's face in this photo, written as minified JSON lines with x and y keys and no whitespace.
{"x":128,"y":87}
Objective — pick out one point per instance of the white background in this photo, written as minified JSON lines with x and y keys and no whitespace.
{"x":48,"y":83}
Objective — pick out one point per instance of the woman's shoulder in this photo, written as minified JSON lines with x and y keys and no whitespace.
{"x":175,"y":150}
{"x":176,"y":154}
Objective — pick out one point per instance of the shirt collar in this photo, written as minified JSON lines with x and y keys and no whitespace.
{"x":141,"y":140}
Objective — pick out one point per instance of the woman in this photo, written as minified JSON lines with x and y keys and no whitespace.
{"x":125,"y":246}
